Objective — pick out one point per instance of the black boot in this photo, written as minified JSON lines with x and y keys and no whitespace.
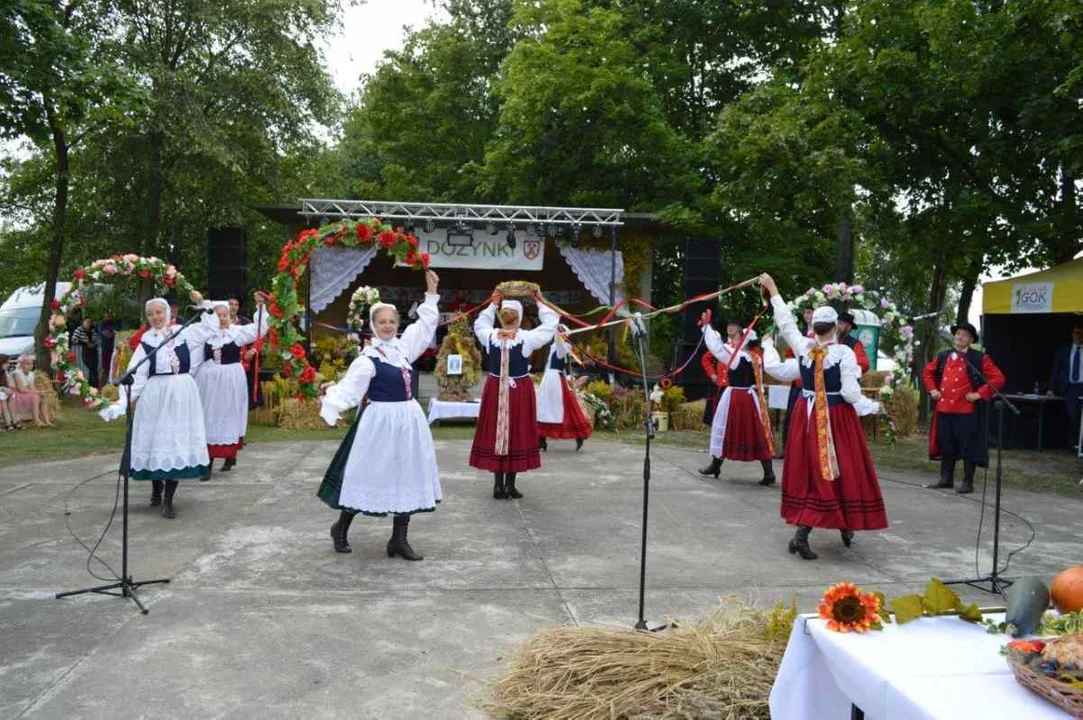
{"x":768,"y":473}
{"x":715,"y":468}
{"x":578,"y":444}
{"x":513,"y":493}
{"x":210,"y":471}
{"x":398,"y":544}
{"x":228,"y":464}
{"x":499,"y":493}
{"x":339,"y":530}
{"x":947,"y":476}
{"x":167,"y":504}
{"x":799,"y":543}
{"x":155,"y":493}
{"x":968,"y":478}
{"x":543,"y":443}
{"x":847,"y":537}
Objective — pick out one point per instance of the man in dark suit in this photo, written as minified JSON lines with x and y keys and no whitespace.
{"x":1068,"y":377}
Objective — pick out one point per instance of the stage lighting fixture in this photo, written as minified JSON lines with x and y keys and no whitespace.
{"x":430,"y":226}
{"x":576,"y":229}
{"x":511,"y":236}
{"x":461,"y":235}
{"x":490,"y":227}
{"x":597,"y":231}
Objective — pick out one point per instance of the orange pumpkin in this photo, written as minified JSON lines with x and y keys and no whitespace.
{"x":1067,"y":590}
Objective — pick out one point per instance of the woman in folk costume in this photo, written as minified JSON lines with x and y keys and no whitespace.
{"x":741,"y":427}
{"x":828,"y":480}
{"x":386,"y":464}
{"x":506,"y":440}
{"x":223,"y":385}
{"x":559,"y":414}
{"x":169,"y":441}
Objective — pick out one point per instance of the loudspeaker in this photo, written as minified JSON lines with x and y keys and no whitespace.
{"x":227,"y":272}
{"x":702,"y":274}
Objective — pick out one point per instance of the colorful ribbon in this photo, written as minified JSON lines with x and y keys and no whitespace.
{"x":829,"y":463}
{"x":502,"y":406}
{"x":765,"y":414}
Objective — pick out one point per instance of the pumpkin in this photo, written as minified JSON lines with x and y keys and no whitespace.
{"x":1067,"y":590}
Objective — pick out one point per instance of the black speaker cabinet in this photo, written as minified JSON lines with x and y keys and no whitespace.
{"x":226,"y":263}
{"x":702,"y":274}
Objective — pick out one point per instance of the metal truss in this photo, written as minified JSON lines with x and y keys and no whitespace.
{"x":466,"y":214}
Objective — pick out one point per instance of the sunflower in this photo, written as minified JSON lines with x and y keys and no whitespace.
{"x":847,"y":609}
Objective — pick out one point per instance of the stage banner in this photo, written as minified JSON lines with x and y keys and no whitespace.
{"x":485,"y":252}
{"x":1032,"y":297}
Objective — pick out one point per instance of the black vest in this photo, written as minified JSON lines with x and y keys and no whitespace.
{"x":180,"y":350}
{"x":231,"y":354}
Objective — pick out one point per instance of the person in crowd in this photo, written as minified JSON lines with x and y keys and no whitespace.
{"x":25,"y":398}
{"x":107,"y":331}
{"x":235,"y":316}
{"x":741,"y":426}
{"x":845,"y":328}
{"x":717,"y":372}
{"x":85,"y":344}
{"x":1068,"y":378}
{"x":169,"y":440}
{"x":960,"y":381}
{"x":223,"y":385}
{"x":7,"y":416}
{"x":506,"y":439}
{"x":828,"y":480}
{"x":386,"y":464}
{"x":559,"y":414}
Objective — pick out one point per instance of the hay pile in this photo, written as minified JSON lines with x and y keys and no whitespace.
{"x":296,"y":414}
{"x":722,"y":667}
{"x":689,"y":416}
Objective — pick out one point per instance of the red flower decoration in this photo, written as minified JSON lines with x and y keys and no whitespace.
{"x":275,"y":311}
{"x":55,"y":304}
{"x":283,"y":262}
{"x":168,"y":281}
{"x":363,"y":232}
{"x":297,"y":351}
{"x":144,"y":273}
{"x":306,"y":234}
{"x":387,"y":238}
{"x":847,"y":609}
{"x":308,"y":376}
{"x":411,"y":257}
{"x":50,"y":342}
{"x":287,"y":370}
{"x":71,"y":357}
{"x":412,"y":239}
{"x":425,"y":260}
{"x":79,"y":274}
{"x":61,"y":377}
{"x":330,"y":240}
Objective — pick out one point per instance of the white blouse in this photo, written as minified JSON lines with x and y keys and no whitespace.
{"x":723,"y":350}
{"x":240,"y":335}
{"x":400,"y":352}
{"x":531,"y":340}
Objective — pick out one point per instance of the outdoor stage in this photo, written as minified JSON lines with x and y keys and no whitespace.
{"x":263,"y":619}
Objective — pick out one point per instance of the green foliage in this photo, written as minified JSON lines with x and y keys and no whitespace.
{"x":673,"y":398}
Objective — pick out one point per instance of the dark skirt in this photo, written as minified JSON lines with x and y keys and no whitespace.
{"x":522,"y":453}
{"x":961,"y":436}
{"x":853,"y":501}
{"x":745,"y":439}
{"x":575,"y":426}
{"x":331,"y":486}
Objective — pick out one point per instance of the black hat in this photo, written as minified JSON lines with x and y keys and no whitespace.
{"x":846,"y":316}
{"x":968,"y":327}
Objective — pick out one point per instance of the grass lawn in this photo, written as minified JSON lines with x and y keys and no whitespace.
{"x":80,"y":432}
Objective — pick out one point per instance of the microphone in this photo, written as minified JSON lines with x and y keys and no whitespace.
{"x":638,"y":327}
{"x":205,"y":311}
{"x":926,"y":316}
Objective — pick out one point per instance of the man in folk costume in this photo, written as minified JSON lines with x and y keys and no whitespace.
{"x":506,"y":439}
{"x":223,"y":384}
{"x":717,"y":373}
{"x":386,"y":464}
{"x":741,"y":427}
{"x":559,"y":414}
{"x":959,"y":427}
{"x":845,"y":328}
{"x":828,"y":480}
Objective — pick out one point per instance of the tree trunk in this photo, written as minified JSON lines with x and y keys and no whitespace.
{"x":155,"y":186}
{"x":57,"y":233}
{"x":1068,"y":242}
{"x":844,"y":260}
{"x":929,"y":336}
{"x":970,"y":282}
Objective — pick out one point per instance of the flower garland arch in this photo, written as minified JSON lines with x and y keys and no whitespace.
{"x":72,"y":379}
{"x":893,"y":324}
{"x":286,"y":306}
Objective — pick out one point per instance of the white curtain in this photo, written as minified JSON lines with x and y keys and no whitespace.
{"x":333,"y":269}
{"x":594,"y":268}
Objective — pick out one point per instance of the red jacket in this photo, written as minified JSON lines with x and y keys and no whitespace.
{"x":714,"y":366}
{"x":955,"y":383}
{"x":859,"y":351}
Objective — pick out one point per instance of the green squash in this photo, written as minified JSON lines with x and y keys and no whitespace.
{"x":1028,"y":599}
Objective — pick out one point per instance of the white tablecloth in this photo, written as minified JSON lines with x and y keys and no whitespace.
{"x":440,"y":409}
{"x":931,"y":668}
{"x":778,"y":396}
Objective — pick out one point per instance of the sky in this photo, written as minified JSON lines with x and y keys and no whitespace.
{"x":368,"y":30}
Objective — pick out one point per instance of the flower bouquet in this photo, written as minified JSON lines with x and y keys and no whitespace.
{"x":363,"y":298}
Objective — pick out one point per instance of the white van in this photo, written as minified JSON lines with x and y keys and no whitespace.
{"x":19,"y":316}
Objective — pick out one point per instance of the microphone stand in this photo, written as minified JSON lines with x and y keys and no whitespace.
{"x":125,"y":585}
{"x":639,"y":334}
{"x":997,"y":584}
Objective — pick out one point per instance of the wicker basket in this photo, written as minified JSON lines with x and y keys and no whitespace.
{"x":1059,"y":693}
{"x":518,"y":288}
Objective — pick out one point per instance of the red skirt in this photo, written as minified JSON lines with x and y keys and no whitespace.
{"x":853,"y":502}
{"x":522,"y":452}
{"x":745,"y":439}
{"x":225,"y":451}
{"x":575,"y":425}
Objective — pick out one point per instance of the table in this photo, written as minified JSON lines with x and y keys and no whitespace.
{"x":929,"y":669}
{"x":1042,"y":401}
{"x":444,"y":410}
